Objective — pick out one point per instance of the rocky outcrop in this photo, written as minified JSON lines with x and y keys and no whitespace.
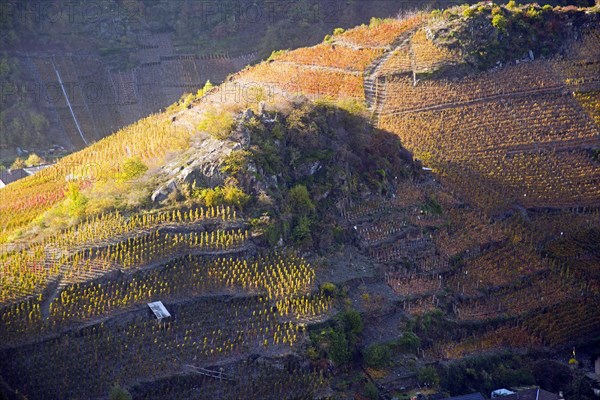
{"x":201,"y":164}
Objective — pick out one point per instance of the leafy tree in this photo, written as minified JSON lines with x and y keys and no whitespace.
{"x":18,"y":163}
{"x":377,"y":355}
{"x":339,"y":352}
{"x":76,"y":201}
{"x":302,"y":231}
{"x":235,"y":162}
{"x":500,"y":22}
{"x":300,"y":200}
{"x":352,"y":322}
{"x":133,"y":168}
{"x":34,"y":160}
{"x":211,"y":197}
{"x":234,"y":196}
{"x":408,"y":342}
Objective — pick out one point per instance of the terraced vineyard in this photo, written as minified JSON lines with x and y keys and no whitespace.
{"x":487,"y":241}
{"x":225,"y":302}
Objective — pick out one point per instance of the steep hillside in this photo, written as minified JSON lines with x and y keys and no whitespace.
{"x":121,"y":61}
{"x":360,"y":216}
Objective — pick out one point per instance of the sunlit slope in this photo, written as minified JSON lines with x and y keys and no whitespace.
{"x":332,"y":69}
{"x":148,"y":140}
{"x":520,"y":133}
{"x":521,"y":130}
{"x":338,"y":68}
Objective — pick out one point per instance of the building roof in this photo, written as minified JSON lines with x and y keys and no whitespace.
{"x":159,"y":310}
{"x":9,"y":176}
{"x":532,"y":394}
{"x":36,"y":169}
{"x":502,"y":392}
{"x":472,"y":396}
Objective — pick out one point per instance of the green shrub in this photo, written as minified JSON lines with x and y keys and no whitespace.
{"x":312,"y":353}
{"x":500,"y":22}
{"x":371,"y":391}
{"x":338,"y":31}
{"x":222,"y":195}
{"x":533,"y":13}
{"x":352,"y":106}
{"x":76,"y":201}
{"x":436,"y":13}
{"x":133,"y":168}
{"x":375,"y":22}
{"x":210,"y":196}
{"x":276,"y":54}
{"x":429,"y":377}
{"x":468,"y":12}
{"x":328,"y":39}
{"x":234,"y":196}
{"x":18,"y":163}
{"x":300,"y":200}
{"x":208,"y":86}
{"x":118,"y":393}
{"x":328,"y":289}
{"x":186,"y":100}
{"x":377,"y":356}
{"x":408,"y":342}
{"x":217,"y":123}
{"x":302,"y":230}
{"x":34,"y":160}
{"x":431,"y":206}
{"x":340,"y":350}
{"x":235,"y":162}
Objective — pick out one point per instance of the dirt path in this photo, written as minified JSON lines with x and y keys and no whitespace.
{"x":53,"y":289}
{"x":375,"y":85}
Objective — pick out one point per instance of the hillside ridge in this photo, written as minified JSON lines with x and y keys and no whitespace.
{"x":387,"y":201}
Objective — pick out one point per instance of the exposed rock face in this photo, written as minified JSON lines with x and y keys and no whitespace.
{"x":201,"y":165}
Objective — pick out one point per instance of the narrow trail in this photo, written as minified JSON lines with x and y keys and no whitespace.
{"x":375,"y":85}
{"x":53,"y":289}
